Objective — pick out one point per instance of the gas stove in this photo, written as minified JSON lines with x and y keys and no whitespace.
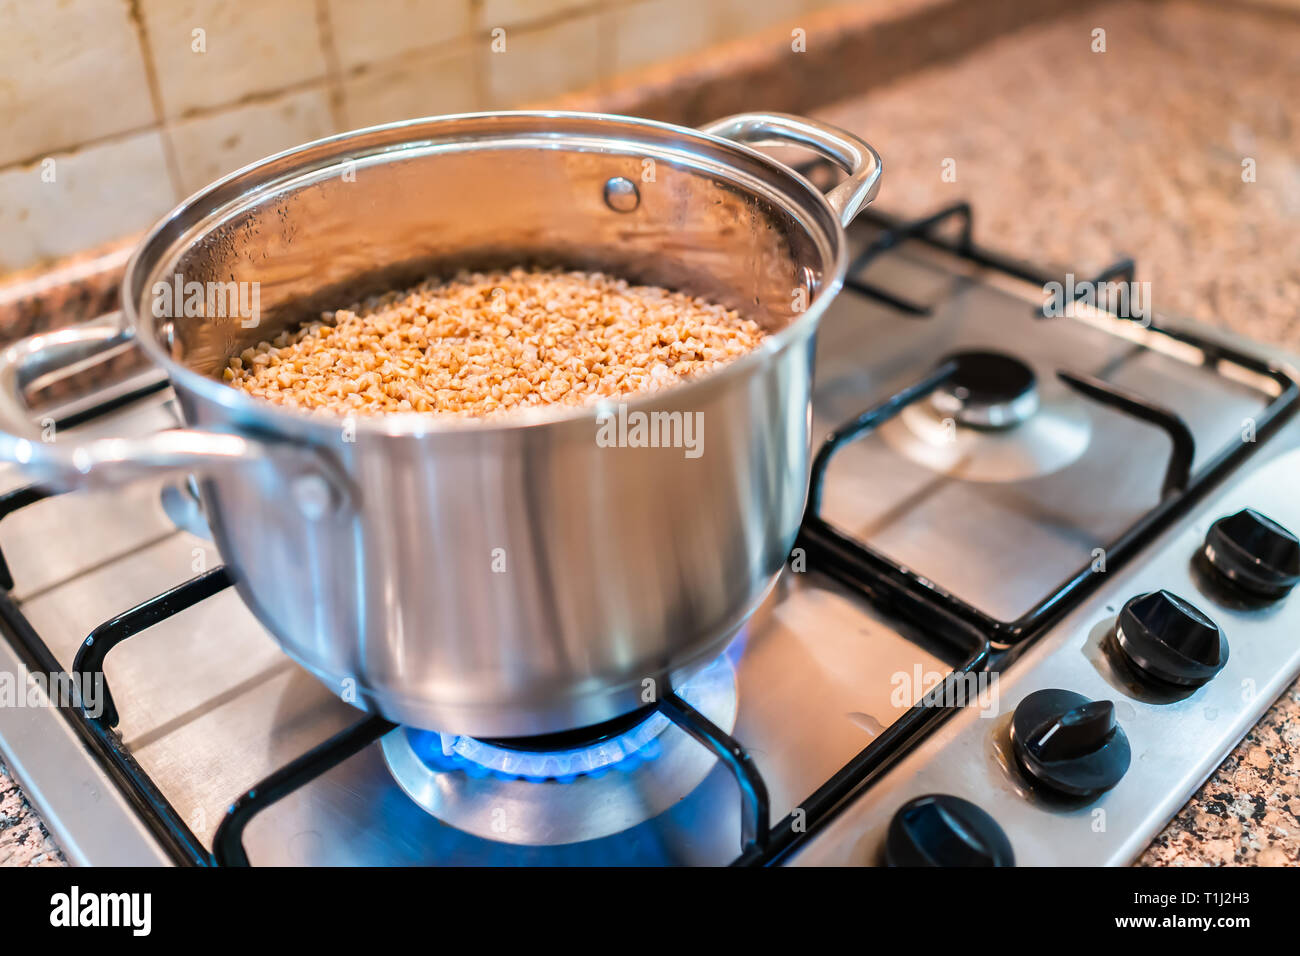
{"x":1038,"y":595}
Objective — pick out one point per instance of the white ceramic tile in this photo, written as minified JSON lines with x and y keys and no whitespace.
{"x":504,"y":13}
{"x":249,"y":48}
{"x":97,"y":194}
{"x":542,"y":62}
{"x":424,"y":86}
{"x":375,"y":31}
{"x":209,"y":146}
{"x":749,"y":16}
{"x":655,"y":30}
{"x":70,"y":73}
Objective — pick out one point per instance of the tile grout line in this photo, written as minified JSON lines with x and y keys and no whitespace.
{"x":481,"y":60}
{"x":333,"y":67}
{"x":331,"y":80}
{"x":250,"y":99}
{"x":76,"y":148}
{"x":136,"y":16}
{"x":602,"y":10}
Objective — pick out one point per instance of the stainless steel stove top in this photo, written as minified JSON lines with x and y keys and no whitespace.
{"x":823,"y":673}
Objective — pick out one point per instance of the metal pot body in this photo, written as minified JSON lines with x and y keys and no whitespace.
{"x":516,"y":582}
{"x":524,"y":574}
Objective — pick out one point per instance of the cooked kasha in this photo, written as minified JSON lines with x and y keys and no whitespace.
{"x":484,"y":343}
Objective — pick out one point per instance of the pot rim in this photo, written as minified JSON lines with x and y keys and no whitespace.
{"x":418,"y":424}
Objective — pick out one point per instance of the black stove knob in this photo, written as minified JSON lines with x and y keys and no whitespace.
{"x":1254,"y":552}
{"x":942,"y":830}
{"x":1069,"y":743}
{"x":1171,"y":640}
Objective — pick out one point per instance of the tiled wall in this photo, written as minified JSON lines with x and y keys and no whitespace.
{"x":114,"y":110}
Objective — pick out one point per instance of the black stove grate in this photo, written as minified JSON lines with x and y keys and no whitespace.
{"x":1180,"y":491}
{"x":875,"y":577}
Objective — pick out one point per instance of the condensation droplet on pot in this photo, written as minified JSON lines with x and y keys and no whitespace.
{"x":621,"y":194}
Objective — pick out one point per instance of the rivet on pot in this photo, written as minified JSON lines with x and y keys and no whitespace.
{"x":312,"y":495}
{"x":621,"y":194}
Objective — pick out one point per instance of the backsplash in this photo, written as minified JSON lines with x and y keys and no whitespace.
{"x":115,"y":110}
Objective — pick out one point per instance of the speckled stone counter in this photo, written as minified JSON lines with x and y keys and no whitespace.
{"x":1075,"y":157}
{"x":24,"y":840}
{"x":1071,"y":157}
{"x":1248,"y":813}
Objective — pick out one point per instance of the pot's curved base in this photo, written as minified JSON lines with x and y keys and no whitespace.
{"x":571,"y":796}
{"x":506,"y":719}
{"x":527,"y":717}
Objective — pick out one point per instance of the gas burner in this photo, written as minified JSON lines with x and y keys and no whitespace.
{"x":988,"y":390}
{"x":1041,"y":429}
{"x":622,"y":742}
{"x":603,"y":780}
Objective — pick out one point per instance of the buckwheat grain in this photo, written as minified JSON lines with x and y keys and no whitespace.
{"x":486,"y":343}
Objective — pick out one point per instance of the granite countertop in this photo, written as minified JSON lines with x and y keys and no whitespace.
{"x":1074,"y":158}
{"x":24,"y":841}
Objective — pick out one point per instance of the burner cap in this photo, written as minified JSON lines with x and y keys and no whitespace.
{"x":988,"y":390}
{"x":577,"y":738}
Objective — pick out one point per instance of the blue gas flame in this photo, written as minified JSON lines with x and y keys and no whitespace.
{"x":623,"y":753}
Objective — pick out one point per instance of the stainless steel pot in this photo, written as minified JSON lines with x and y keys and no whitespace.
{"x":493,"y":578}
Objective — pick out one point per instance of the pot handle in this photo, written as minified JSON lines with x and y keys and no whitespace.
{"x":36,"y":361}
{"x":851,"y":153}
